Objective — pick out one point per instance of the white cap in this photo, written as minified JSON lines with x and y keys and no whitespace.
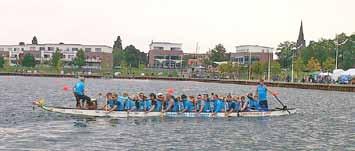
{"x":159,"y":94}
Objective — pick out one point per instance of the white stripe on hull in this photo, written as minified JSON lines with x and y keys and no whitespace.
{"x":124,"y":114}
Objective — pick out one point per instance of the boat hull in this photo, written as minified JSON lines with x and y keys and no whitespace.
{"x":124,"y":114}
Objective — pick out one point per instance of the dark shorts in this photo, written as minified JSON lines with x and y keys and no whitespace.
{"x":263,"y":105}
{"x":83,"y":98}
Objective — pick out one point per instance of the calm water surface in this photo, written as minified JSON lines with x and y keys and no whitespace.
{"x":325,"y":120}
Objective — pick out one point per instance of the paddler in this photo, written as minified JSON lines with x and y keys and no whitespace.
{"x":79,"y":93}
{"x":154,"y":105}
{"x":218,"y":104}
{"x":253,"y":102}
{"x":170,"y":103}
{"x":261,"y":93}
{"x":111,"y":102}
{"x":188,"y":104}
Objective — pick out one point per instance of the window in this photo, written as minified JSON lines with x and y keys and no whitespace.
{"x":174,"y":48}
{"x":159,"y":48}
{"x":50,"y":48}
{"x":9,"y":49}
{"x":22,"y":49}
{"x":97,"y":49}
{"x":1,"y":49}
{"x":32,"y":48}
{"x":74,"y":49}
{"x":42,"y":48}
{"x":46,"y":56}
{"x":87,"y":49}
{"x":158,"y":57}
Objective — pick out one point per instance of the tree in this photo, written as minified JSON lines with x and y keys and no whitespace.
{"x":132,"y":56}
{"x":298,"y":66}
{"x":285,"y":53}
{"x":80,"y":58}
{"x":226,"y":68}
{"x":313,"y":65}
{"x":56,"y":60}
{"x":275,"y":68}
{"x":117,"y":52}
{"x":118,"y":43}
{"x":218,"y":53}
{"x":2,"y":61}
{"x":329,"y":64}
{"x":258,"y":68}
{"x":28,"y":61}
{"x":34,"y":40}
{"x":346,"y":51}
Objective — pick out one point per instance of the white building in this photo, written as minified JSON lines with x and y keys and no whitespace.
{"x":165,"y":55}
{"x":44,"y":52}
{"x":253,"y":52}
{"x":165,"y":46}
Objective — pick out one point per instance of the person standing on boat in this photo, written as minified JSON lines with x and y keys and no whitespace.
{"x":79,"y":93}
{"x":261,"y":93}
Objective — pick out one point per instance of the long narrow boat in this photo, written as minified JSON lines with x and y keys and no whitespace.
{"x":124,"y":114}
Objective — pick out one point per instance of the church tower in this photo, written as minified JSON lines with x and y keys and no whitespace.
{"x":301,"y":43}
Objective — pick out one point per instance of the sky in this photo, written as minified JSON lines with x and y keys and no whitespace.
{"x":206,"y":22}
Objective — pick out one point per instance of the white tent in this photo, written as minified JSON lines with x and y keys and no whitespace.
{"x":336,"y":74}
{"x":350,"y":72}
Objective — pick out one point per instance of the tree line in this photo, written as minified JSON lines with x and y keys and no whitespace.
{"x":319,"y":55}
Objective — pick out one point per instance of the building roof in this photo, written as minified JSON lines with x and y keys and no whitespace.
{"x":170,"y":43}
{"x":253,"y":46}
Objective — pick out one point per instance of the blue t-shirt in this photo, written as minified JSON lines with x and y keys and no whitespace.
{"x":121,"y":103}
{"x":111,"y":103}
{"x":253,"y":103}
{"x":262,"y":92}
{"x":129,"y":104}
{"x":176,"y":106}
{"x":219,"y":105}
{"x":146,"y":105}
{"x":206,"y":106}
{"x":158,"y":105}
{"x":198,"y":105}
{"x":188,"y":105}
{"x":79,"y":88}
{"x":234,"y":105}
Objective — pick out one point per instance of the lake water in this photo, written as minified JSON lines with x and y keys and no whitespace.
{"x":325,"y":120}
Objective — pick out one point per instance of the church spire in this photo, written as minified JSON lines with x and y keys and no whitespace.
{"x":301,"y":43}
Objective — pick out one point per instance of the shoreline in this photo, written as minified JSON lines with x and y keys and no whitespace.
{"x":314,"y":86}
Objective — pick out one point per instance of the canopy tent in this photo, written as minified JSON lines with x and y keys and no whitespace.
{"x":336,"y":74}
{"x":350,"y":72}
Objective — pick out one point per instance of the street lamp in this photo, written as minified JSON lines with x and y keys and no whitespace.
{"x":336,"y":51}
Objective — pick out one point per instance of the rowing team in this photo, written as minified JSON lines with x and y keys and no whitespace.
{"x":169,"y":103}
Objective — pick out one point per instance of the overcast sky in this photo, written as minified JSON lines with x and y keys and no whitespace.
{"x":138,"y":22}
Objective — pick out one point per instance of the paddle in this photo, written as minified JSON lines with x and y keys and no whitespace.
{"x":284,"y":107}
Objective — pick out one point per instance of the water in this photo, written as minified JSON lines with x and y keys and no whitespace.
{"x":325,"y":120}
